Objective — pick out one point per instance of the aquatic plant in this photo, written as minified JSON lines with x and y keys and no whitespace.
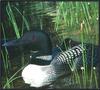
{"x":7,"y":80}
{"x":77,"y":20}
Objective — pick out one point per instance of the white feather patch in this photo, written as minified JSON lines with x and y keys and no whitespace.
{"x":36,"y":75}
{"x":48,"y":57}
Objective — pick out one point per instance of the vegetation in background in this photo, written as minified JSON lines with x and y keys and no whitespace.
{"x":76,"y":20}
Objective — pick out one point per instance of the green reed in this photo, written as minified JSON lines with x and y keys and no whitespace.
{"x":12,"y":20}
{"x":69,"y":17}
{"x":8,"y":79}
{"x":13,"y":77}
{"x":6,"y":63}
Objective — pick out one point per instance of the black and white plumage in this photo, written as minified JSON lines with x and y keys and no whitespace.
{"x":68,"y":56}
{"x":47,"y":64}
{"x":39,"y":76}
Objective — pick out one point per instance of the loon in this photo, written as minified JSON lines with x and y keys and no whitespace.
{"x":47,"y":64}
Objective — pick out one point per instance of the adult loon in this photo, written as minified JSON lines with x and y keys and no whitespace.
{"x":37,"y":74}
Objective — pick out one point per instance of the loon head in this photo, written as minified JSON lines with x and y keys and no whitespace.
{"x":35,"y":40}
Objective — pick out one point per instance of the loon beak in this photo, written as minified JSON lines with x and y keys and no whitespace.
{"x":10,"y":43}
{"x":16,"y":42}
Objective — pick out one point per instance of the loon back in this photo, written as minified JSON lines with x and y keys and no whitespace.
{"x":68,"y":57}
{"x":74,"y":56}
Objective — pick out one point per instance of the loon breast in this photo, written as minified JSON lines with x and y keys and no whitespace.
{"x":38,"y":76}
